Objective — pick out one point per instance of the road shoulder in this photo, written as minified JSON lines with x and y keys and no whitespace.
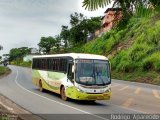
{"x":10,"y":110}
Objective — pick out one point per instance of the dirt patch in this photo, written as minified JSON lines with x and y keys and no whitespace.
{"x":145,"y":80}
{"x":120,"y":46}
{"x":10,"y":110}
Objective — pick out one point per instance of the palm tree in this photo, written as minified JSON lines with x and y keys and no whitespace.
{"x":128,"y":6}
{"x":95,"y":4}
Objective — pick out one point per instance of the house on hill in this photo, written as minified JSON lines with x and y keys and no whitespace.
{"x":109,"y":20}
{"x":111,"y":17}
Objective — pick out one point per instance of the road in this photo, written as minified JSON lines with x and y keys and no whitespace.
{"x":127,"y":97}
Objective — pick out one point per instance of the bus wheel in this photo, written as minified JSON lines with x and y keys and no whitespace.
{"x":63,"y":94}
{"x":40,"y":86}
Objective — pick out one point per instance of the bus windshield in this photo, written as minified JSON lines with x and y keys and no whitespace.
{"x":92,"y":72}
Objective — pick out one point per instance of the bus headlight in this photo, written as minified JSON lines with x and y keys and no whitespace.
{"x":108,"y":90}
{"x":80,"y":90}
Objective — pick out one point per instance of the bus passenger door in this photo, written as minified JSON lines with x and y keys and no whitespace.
{"x":70,"y":73}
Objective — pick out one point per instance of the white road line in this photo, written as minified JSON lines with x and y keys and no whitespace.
{"x":124,"y":88}
{"x":57,"y":101}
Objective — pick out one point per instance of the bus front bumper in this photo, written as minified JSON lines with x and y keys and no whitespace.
{"x":73,"y":93}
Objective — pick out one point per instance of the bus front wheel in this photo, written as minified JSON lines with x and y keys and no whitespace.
{"x":40,"y":86}
{"x":63,"y":93}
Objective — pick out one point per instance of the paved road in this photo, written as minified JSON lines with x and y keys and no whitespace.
{"x":128,"y":97}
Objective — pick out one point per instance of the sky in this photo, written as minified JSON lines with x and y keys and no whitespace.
{"x":24,"y":22}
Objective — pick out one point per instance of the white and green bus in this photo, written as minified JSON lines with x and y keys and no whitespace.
{"x":73,"y":75}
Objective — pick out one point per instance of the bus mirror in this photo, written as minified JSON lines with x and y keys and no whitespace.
{"x":110,"y":66}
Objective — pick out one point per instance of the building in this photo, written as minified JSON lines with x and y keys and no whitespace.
{"x":28,"y":58}
{"x":109,"y":20}
{"x":111,"y":17}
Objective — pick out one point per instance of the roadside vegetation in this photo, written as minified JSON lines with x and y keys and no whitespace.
{"x":132,"y":46}
{"x":16,"y":56}
{"x":4,"y":71}
{"x":21,"y":63}
{"x":134,"y":52}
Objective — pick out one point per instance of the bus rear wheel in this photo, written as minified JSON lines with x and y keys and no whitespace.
{"x":40,"y":86}
{"x":63,"y":94}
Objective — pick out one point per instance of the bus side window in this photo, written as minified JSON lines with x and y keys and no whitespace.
{"x":70,"y":74}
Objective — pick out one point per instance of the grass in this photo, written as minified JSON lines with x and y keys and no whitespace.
{"x":151,"y":77}
{"x":2,"y":70}
{"x":138,"y":61}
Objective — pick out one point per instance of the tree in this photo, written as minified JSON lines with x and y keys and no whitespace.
{"x":46,"y":43}
{"x":58,"y":43}
{"x":80,"y":28}
{"x":93,"y":24}
{"x":128,"y":6}
{"x":65,"y":33}
{"x":1,"y":47}
{"x":142,"y":8}
{"x":76,"y":19}
{"x":18,"y":53}
{"x":95,"y":4}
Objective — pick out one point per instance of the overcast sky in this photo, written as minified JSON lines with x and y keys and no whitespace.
{"x":24,"y":22}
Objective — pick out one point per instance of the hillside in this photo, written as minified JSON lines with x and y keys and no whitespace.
{"x":134,"y":51}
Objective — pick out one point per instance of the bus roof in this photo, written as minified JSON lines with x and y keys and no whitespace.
{"x":75,"y":56}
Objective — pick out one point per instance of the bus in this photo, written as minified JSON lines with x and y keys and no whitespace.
{"x":73,"y":75}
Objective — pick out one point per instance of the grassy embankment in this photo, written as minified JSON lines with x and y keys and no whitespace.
{"x":134,"y":51}
{"x":4,"y":71}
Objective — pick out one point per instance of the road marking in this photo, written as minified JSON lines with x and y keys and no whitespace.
{"x":124,"y":88}
{"x":155,"y":93}
{"x":57,"y":101}
{"x":137,"y":91}
{"x":128,"y":102}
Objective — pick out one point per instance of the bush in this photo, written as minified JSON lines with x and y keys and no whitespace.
{"x":116,"y":60}
{"x":152,"y":62}
{"x":2,"y":70}
{"x":26,"y":64}
{"x":139,"y":51}
{"x":21,"y":63}
{"x":153,"y":36}
{"x":126,"y":66}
